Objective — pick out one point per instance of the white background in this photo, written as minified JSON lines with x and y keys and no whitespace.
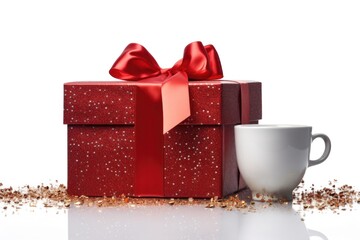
{"x":306,"y":53}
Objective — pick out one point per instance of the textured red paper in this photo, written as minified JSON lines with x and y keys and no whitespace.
{"x":199,"y":155}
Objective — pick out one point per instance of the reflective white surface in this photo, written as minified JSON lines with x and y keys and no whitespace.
{"x":178,"y":222}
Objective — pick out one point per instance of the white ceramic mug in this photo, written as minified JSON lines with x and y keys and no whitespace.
{"x":273,"y":158}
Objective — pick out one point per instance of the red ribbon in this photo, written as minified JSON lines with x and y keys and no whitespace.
{"x":162,"y":102}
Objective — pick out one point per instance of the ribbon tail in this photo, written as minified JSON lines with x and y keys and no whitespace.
{"x":175,"y":100}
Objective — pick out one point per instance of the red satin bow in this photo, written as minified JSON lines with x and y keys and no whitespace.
{"x":199,"y":62}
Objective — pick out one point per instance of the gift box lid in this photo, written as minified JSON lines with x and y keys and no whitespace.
{"x":114,"y":102}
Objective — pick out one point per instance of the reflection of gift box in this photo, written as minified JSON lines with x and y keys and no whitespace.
{"x":166,"y":222}
{"x":198,"y":155}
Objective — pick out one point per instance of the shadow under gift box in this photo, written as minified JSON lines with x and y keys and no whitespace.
{"x":199,"y":158}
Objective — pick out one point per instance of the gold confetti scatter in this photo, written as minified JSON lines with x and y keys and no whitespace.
{"x":332,"y":197}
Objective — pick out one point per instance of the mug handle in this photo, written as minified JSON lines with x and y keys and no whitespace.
{"x":326,"y":153}
{"x":313,"y":233}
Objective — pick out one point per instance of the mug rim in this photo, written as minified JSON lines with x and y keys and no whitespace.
{"x":271,"y":126}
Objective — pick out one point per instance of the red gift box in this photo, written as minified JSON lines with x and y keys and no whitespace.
{"x":162,"y":135}
{"x":199,"y":154}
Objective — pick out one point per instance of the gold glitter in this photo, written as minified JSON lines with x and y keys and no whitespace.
{"x":210,"y":205}
{"x":333,"y":198}
{"x":172,"y":201}
{"x":223,"y":205}
{"x":48,"y":205}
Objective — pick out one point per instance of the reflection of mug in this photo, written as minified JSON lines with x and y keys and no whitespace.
{"x":278,"y":222}
{"x":273,"y":158}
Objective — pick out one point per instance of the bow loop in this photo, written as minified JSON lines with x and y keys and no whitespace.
{"x":135,"y":63}
{"x":200,"y":62}
{"x":214,"y":63}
